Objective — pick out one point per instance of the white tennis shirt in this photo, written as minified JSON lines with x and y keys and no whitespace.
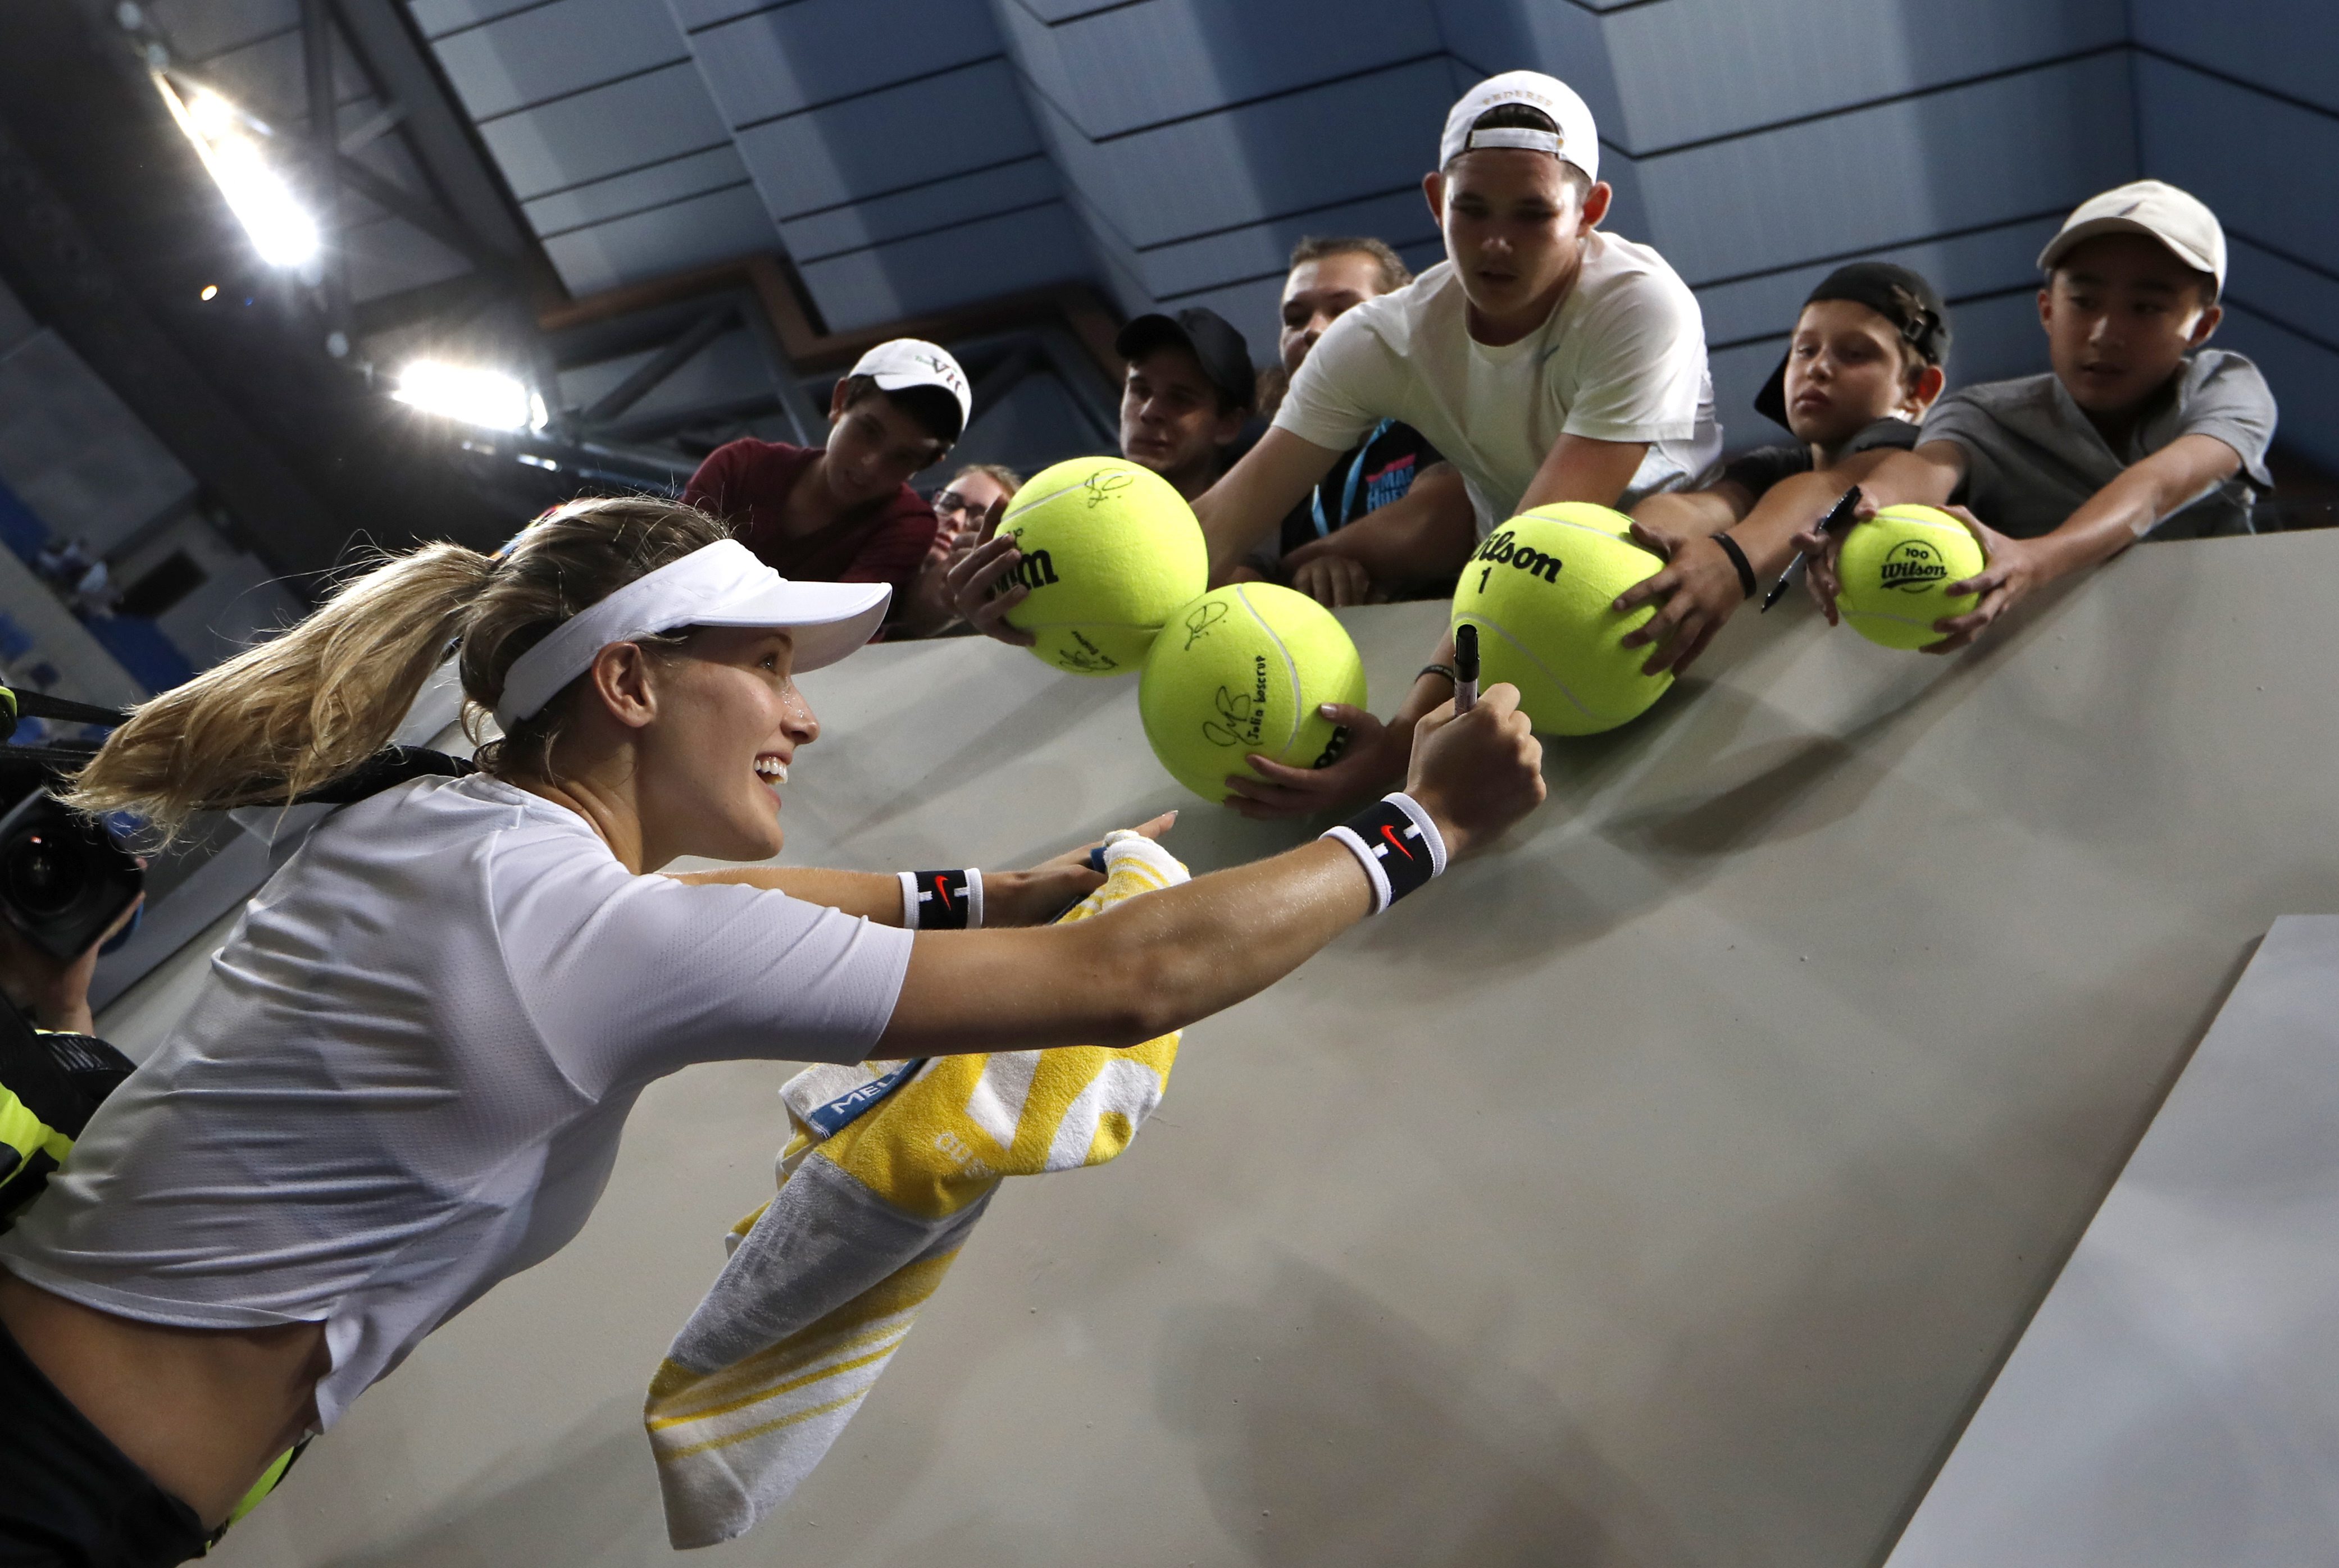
{"x":1622,"y":359}
{"x":405,"y":1076}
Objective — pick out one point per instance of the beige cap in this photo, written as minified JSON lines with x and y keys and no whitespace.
{"x":2175,"y":218}
{"x":1577,"y":141}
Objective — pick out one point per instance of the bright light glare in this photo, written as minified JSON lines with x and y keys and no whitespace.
{"x":281,"y":232}
{"x":489,"y":398}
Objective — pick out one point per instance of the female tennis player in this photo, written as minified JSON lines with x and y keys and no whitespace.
{"x":405,"y":1077}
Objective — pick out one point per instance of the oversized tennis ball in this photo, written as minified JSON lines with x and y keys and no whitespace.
{"x":1607,"y":519}
{"x":1540,"y":590}
{"x":1894,"y":567}
{"x":1242,"y":670}
{"x":1110,"y":552}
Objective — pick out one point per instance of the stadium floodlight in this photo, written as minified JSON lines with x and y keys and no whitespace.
{"x":228,"y":140}
{"x":489,"y":398}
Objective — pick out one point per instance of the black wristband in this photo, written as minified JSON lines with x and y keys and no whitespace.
{"x":1738,"y":558}
{"x":1399,"y":847}
{"x":942,"y":899}
{"x":1446,"y":670}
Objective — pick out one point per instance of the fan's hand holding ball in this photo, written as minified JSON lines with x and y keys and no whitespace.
{"x":1542,"y":590}
{"x":1105,"y":553}
{"x":1244,"y":671}
{"x":1476,"y":773}
{"x":1895,"y":572}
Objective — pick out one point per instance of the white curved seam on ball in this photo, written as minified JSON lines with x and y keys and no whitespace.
{"x":1549,"y":674}
{"x":1044,"y":500}
{"x":1290,"y":668}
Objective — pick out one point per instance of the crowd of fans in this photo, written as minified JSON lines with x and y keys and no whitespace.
{"x":1548,"y":360}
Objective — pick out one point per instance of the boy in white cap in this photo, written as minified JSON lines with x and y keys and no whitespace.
{"x":2139,"y":428}
{"x":843,"y":512}
{"x":1547,"y":360}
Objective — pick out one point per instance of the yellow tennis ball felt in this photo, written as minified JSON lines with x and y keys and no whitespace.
{"x":1607,"y":519}
{"x":1242,"y":670}
{"x":1110,"y":551}
{"x":1540,"y":590}
{"x":1894,"y":568}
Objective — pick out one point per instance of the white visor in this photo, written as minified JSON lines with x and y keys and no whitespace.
{"x":723,"y":584}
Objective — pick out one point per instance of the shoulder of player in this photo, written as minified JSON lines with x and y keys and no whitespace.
{"x":2223,"y":367}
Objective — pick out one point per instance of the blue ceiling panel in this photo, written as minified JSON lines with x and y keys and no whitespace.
{"x":1366,"y":136}
{"x":1658,"y":75}
{"x":1133,"y":66}
{"x":977,"y":261}
{"x":888,"y":140}
{"x":2283,"y":290}
{"x":551,"y":51}
{"x":2032,"y":143}
{"x":938,"y":204}
{"x":1980,"y":262}
{"x":2303,"y":374}
{"x":638,"y":190}
{"x":2288,"y":46}
{"x":2247,"y":155}
{"x":713,"y":227}
{"x":798,"y":56}
{"x":1264,"y":249}
{"x":439,"y":18}
{"x":606,"y":131}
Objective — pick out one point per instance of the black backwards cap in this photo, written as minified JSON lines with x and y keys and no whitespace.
{"x":1211,"y":338}
{"x":1899,"y":295}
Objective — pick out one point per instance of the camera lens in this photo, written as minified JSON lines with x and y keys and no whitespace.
{"x":42,"y":875}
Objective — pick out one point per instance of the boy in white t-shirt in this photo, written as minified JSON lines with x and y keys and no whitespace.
{"x":1547,"y":361}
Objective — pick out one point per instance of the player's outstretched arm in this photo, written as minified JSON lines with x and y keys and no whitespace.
{"x":1160,"y":962}
{"x":1010,"y":898}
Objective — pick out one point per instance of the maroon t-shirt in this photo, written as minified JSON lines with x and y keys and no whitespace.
{"x":746,"y":484}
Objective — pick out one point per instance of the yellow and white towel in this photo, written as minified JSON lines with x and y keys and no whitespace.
{"x":891,"y":1166}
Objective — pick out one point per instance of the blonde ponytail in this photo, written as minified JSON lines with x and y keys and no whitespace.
{"x":306,"y":707}
{"x":303,"y":709}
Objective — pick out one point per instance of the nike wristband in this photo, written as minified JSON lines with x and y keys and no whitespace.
{"x":942,"y":899}
{"x":1399,"y":847}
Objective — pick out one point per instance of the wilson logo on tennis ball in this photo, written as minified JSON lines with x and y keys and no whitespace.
{"x":1912,"y":566}
{"x":1037,"y":569}
{"x":1503,"y":550}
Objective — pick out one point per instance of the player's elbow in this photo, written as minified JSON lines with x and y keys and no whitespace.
{"x":1151,"y":986}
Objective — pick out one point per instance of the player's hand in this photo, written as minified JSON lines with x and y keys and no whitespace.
{"x":2012,"y":569}
{"x":1697,"y":591}
{"x":972,"y":574}
{"x":1477,"y":773}
{"x":1820,"y":551}
{"x":53,"y":992}
{"x":1373,"y":761}
{"x":1037,"y":896}
{"x":1335,"y":581}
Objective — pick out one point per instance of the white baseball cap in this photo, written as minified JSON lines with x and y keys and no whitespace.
{"x":1577,"y":140}
{"x":914,"y":363}
{"x":2175,"y":218}
{"x":720,"y":584}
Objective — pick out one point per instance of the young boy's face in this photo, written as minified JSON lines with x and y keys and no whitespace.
{"x":2121,"y":311}
{"x":1171,"y":418}
{"x":1846,"y":369}
{"x":1514,"y":223}
{"x":875,"y":447}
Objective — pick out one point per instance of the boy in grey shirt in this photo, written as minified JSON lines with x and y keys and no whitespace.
{"x":2140,"y":426}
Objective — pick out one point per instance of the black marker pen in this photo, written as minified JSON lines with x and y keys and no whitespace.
{"x":1466,"y":668}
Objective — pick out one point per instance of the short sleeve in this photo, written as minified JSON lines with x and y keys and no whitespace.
{"x":1642,"y":374}
{"x":1961,"y":417}
{"x":1345,"y":387}
{"x":2232,"y":401}
{"x":627,"y":978}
